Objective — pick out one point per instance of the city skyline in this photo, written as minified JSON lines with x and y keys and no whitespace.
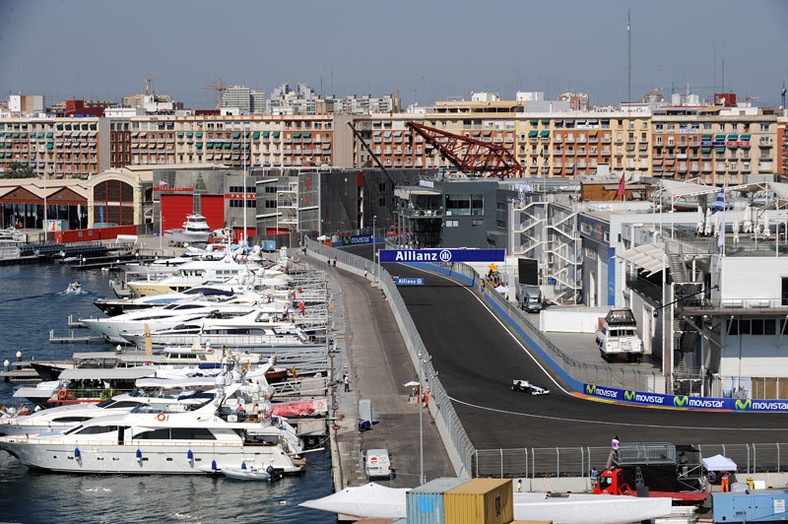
{"x":436,"y":51}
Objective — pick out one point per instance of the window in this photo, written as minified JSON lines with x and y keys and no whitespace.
{"x":95,"y":430}
{"x":452,"y":223}
{"x":464,"y":205}
{"x":476,"y":222}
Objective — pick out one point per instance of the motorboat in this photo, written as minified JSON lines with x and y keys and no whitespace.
{"x":176,"y":439}
{"x":134,"y":322}
{"x":74,"y":288}
{"x":249,"y":473}
{"x":11,"y":235}
{"x":195,"y":230}
{"x":254,"y":330}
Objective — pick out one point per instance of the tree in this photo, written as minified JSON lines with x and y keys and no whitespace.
{"x":17,"y":170}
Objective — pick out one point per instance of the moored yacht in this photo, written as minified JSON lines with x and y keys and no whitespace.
{"x":161,"y":440}
{"x":195,"y":230}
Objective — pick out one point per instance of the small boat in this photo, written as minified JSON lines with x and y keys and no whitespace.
{"x":195,"y":230}
{"x":250,"y":473}
{"x":74,"y":288}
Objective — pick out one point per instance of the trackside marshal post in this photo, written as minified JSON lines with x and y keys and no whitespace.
{"x":442,"y":255}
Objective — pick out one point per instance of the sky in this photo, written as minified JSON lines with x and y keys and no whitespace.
{"x":427,"y":49}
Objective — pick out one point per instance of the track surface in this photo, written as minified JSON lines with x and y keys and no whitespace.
{"x":476,"y":357}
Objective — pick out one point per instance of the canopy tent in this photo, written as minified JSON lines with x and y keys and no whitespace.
{"x":648,"y":257}
{"x":719,"y":463}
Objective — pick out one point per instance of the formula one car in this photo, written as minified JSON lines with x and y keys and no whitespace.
{"x":524,"y":385}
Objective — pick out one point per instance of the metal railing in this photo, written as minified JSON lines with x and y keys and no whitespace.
{"x":578,"y":461}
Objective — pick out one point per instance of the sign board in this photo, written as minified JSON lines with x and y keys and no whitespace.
{"x":351,"y":240}
{"x":442,"y":255}
{"x":400,"y":281}
{"x":551,"y":281}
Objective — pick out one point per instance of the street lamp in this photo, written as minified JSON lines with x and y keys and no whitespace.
{"x":421,"y":420}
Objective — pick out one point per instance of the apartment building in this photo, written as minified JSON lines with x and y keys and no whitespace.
{"x":721,"y":146}
{"x":57,"y":147}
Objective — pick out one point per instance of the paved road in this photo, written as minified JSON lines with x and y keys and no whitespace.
{"x":476,"y":357}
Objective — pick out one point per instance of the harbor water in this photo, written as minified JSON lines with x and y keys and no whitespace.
{"x":33,"y":301}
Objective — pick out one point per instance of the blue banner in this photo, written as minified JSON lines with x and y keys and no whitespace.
{"x":352,"y":240}
{"x":685,"y":401}
{"x":409,"y":281}
{"x":442,"y":255}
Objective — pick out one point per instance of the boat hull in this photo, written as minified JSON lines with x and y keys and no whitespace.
{"x":158,"y":459}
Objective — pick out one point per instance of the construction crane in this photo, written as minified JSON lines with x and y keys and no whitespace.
{"x":469,"y":155}
{"x":365,"y":145}
{"x":219,"y":88}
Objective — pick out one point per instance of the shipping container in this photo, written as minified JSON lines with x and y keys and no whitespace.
{"x":425,"y":504}
{"x":480,"y":501}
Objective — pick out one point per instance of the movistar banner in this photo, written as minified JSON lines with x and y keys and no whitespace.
{"x":442,"y":255}
{"x":350,"y":240}
{"x":684,"y":401}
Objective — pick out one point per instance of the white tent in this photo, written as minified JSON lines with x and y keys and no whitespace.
{"x":719,"y":463}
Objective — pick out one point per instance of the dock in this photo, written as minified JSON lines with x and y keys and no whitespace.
{"x":74,"y":339}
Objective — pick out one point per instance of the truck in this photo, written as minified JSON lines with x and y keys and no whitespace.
{"x":529,"y":298}
{"x":616,"y":335}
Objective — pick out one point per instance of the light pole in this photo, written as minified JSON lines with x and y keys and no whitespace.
{"x":44,"y":225}
{"x":420,"y":401}
{"x":374,"y":260}
{"x":243,"y":150}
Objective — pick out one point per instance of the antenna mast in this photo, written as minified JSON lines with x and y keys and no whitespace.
{"x":629,"y":56}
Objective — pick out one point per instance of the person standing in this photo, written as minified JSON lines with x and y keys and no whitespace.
{"x":725,"y":486}
{"x":346,"y":380}
{"x":615,"y":445}
{"x":594,"y":476}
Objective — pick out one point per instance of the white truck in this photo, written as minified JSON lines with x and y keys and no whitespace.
{"x":617,"y":335}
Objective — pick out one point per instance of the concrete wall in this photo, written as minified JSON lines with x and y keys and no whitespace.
{"x":571,"y":320}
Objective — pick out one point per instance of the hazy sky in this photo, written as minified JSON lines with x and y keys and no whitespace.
{"x":428,"y":49}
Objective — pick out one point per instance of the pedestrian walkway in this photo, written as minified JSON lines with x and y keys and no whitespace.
{"x":378,"y":366}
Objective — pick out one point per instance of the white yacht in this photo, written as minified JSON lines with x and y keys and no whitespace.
{"x":158,"y":318}
{"x":257,"y":329}
{"x":158,"y":440}
{"x":194,"y":231}
{"x":66,"y":416}
{"x":215,"y":293}
{"x":194,"y":273}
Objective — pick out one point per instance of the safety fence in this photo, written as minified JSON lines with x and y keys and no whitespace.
{"x":458,"y":445}
{"x":578,"y":461}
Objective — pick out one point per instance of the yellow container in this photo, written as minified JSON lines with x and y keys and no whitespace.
{"x":480,"y":501}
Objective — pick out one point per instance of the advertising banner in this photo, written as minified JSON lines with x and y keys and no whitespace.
{"x":442,"y":255}
{"x":685,"y":401}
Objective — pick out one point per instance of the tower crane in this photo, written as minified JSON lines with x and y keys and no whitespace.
{"x":219,"y":88}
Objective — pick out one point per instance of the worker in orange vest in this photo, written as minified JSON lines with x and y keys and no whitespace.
{"x":724,"y":483}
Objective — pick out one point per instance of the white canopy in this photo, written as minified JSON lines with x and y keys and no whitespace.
{"x":719,"y":463}
{"x":649,"y":257}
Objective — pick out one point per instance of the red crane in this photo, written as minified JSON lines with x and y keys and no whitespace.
{"x":470,"y":155}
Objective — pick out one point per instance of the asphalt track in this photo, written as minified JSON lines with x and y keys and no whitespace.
{"x":477,"y":356}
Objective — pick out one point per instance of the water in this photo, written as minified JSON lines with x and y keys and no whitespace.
{"x":33,"y":301}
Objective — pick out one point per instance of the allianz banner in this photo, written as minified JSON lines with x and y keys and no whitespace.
{"x":685,"y":401}
{"x":442,"y":255}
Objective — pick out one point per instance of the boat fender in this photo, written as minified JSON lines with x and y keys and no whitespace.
{"x":243,"y":465}
{"x":139,"y":455}
{"x":62,"y":394}
{"x":213,"y":465}
{"x":190,"y":455}
{"x":161,"y":417}
{"x":77,"y":454}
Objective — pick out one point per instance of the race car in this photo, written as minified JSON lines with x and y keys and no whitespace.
{"x":524,"y":385}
